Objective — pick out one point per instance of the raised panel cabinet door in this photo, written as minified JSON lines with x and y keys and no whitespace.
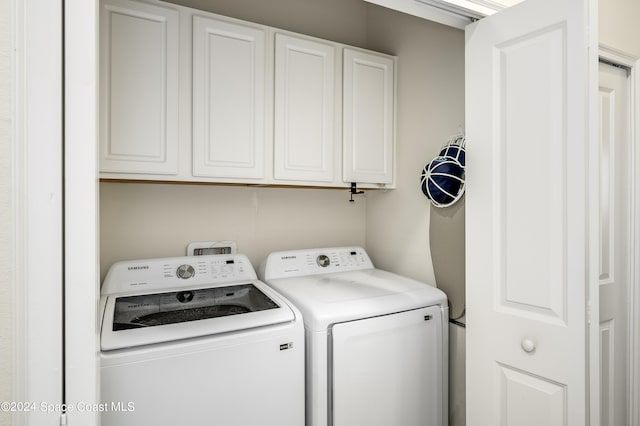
{"x":304,"y":110}
{"x":139,"y":88}
{"x":368,"y":117}
{"x":531,"y":216}
{"x":228,"y":99}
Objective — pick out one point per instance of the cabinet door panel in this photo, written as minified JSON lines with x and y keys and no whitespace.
{"x":368,"y":113}
{"x":139,"y":92}
{"x":304,"y":110}
{"x":228,"y":99}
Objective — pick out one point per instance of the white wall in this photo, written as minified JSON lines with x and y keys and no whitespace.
{"x":6,"y":208}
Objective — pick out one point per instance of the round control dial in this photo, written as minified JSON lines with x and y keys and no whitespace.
{"x":185,"y":271}
{"x":323,"y":260}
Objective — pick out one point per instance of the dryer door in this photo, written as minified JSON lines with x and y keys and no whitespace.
{"x":389,"y":370}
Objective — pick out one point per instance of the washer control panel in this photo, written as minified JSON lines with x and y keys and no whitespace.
{"x":158,"y":274}
{"x":314,"y":261}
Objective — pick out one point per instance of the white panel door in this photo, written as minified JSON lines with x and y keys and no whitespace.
{"x":228,"y":99}
{"x":368,"y":117}
{"x":529,"y":91}
{"x":388,"y":370}
{"x":304,"y":110}
{"x":615,"y":152}
{"x":139,"y":88}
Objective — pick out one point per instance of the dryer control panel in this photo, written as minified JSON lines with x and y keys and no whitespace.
{"x":296,"y":263}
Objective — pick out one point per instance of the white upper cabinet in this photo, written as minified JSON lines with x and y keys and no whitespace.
{"x":228,"y":99}
{"x":139,"y":88}
{"x":192,"y":96}
{"x":304,"y":139}
{"x":368,"y":117}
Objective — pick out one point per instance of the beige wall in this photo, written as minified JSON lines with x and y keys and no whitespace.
{"x":140,"y":221}
{"x":618,"y":25}
{"x":6,"y":207}
{"x":342,"y":21}
{"x":430,"y":109}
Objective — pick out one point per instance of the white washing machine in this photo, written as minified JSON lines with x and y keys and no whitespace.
{"x":376,"y":342}
{"x":198,"y":341}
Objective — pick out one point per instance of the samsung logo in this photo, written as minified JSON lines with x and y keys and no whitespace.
{"x":138,"y":267}
{"x":287,"y":257}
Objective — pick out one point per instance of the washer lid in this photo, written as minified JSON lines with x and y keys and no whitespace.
{"x":141,"y":319}
{"x":344,"y":296}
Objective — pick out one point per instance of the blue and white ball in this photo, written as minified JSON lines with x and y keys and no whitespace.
{"x":455,"y":152}
{"x":442,"y":180}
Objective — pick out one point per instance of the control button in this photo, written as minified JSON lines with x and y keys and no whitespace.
{"x":323,"y":260}
{"x":185,"y":271}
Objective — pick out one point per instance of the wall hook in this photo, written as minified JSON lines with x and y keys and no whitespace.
{"x":353,"y":192}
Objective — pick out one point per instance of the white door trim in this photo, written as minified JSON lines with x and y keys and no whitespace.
{"x":631,"y":62}
{"x":38,"y":204}
{"x":81,"y":272}
{"x":36,"y":145}
{"x":634,"y":404}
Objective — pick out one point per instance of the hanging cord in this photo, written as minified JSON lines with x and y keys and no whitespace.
{"x":457,"y":321}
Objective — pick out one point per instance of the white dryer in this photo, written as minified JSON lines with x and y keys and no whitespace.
{"x":198,"y":341}
{"x":377,"y":342}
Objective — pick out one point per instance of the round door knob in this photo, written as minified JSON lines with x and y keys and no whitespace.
{"x":528,"y":346}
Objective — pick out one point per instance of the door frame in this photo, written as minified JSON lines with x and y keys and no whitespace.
{"x":632,"y":63}
{"x":81,"y":256}
{"x":36,"y":205}
{"x":54,"y":205}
